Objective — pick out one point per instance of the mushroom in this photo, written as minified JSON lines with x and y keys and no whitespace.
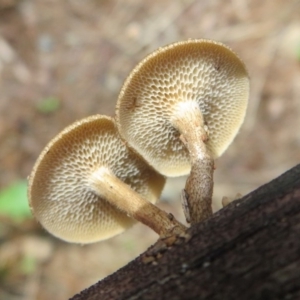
{"x":87,"y":186}
{"x":180,"y":108}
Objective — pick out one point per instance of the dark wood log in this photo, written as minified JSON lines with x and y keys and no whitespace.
{"x":248,"y":250}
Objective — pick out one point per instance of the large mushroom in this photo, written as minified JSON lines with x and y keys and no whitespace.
{"x":87,"y":186}
{"x":180,"y":108}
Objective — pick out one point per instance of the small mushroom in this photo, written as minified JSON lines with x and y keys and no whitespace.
{"x":87,"y":186}
{"x":180,"y":108}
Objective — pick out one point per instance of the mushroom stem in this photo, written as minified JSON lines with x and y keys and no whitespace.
{"x":120,"y":195}
{"x":197,"y":195}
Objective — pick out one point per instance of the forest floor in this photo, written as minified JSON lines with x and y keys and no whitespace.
{"x":77,"y":54}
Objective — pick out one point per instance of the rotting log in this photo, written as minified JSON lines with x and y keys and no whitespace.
{"x":248,"y":250}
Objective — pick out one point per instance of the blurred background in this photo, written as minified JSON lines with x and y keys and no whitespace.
{"x":64,"y":60}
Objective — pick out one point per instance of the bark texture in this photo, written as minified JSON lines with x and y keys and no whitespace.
{"x":248,"y":250}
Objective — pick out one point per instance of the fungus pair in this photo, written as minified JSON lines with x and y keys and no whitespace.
{"x":179,"y":109}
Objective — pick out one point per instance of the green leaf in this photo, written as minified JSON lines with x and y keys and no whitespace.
{"x":14,"y":203}
{"x":48,"y":105}
{"x":28,"y":264}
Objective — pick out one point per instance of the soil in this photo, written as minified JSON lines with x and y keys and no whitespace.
{"x":80,"y":52}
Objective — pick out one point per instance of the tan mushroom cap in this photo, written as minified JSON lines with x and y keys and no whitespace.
{"x":167,"y":81}
{"x":59,"y":192}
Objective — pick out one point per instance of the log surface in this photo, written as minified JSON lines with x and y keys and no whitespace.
{"x":248,"y":250}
